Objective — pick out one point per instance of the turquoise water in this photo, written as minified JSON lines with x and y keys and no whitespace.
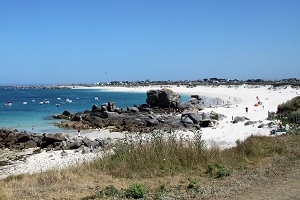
{"x":37,"y":118}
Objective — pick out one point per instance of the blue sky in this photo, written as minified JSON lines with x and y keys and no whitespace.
{"x":75,"y":41}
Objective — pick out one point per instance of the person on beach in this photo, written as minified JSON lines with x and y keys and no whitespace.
{"x":78,"y":130}
{"x":246,"y":109}
{"x":280,"y":124}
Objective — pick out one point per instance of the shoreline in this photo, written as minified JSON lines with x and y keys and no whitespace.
{"x":233,"y":99}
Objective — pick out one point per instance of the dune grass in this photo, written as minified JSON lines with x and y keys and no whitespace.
{"x":152,"y":165}
{"x":291,"y":106}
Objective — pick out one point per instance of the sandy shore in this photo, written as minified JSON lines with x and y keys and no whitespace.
{"x":233,"y":100}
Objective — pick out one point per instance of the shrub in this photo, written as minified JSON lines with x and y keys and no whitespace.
{"x":136,"y":191}
{"x":289,"y":106}
{"x":218,"y":170}
{"x":223,"y":171}
{"x":192,"y":183}
{"x":162,"y":187}
{"x":210,"y":169}
{"x":109,"y":191}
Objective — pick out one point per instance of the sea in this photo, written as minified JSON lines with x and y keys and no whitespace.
{"x":32,"y":110}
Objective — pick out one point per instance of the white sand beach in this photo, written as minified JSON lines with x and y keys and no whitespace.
{"x":234,"y":100}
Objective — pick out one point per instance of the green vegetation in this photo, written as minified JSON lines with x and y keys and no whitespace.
{"x":289,"y":112}
{"x":218,"y":170}
{"x":192,"y":183}
{"x":109,"y":192}
{"x":136,"y":191}
{"x":290,"y":106}
{"x":155,"y":154}
{"x":159,"y":165}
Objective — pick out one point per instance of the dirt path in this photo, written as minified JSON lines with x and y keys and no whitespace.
{"x":285,"y":186}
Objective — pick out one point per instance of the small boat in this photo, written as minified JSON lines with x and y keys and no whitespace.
{"x":96,"y":98}
{"x":69,"y":100}
{"x":57,"y":105}
{"x":33,"y":100}
{"x":58,"y":98}
{"x":25,"y":102}
{"x":46,"y":101}
{"x":9,"y":103}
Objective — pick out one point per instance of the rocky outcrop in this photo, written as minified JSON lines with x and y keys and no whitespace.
{"x":161,"y":112}
{"x":22,"y":140}
{"x":65,"y":115}
{"x":217,"y":116}
{"x":23,"y":137}
{"x":238,"y":119}
{"x":160,"y":103}
{"x":249,"y":123}
{"x":164,"y":98}
{"x":195,"y":118}
{"x":193,"y":105}
{"x":199,"y":120}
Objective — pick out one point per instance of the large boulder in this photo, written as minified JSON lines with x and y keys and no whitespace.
{"x":217,"y":116}
{"x":164,"y":98}
{"x":95,"y":108}
{"x":205,"y":116}
{"x":75,"y":144}
{"x":23,"y":137}
{"x":240,"y":119}
{"x":194,"y":117}
{"x":249,"y":123}
{"x":11,"y":138}
{"x":133,"y":109}
{"x":57,"y":137}
{"x":31,"y":144}
{"x":194,"y":104}
{"x":196,"y":96}
{"x":187,"y":120}
{"x":94,"y":119}
{"x":67,"y":113}
{"x":152,"y":122}
{"x":77,"y":117}
{"x":94,"y":144}
{"x":152,"y":96}
{"x":111,"y":106}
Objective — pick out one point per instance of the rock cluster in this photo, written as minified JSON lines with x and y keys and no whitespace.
{"x":164,"y":98}
{"x":162,"y":111}
{"x":193,"y":105}
{"x":13,"y":139}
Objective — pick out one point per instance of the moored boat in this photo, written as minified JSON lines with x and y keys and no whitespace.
{"x":9,"y":103}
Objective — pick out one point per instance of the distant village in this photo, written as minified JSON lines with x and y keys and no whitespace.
{"x":205,"y":81}
{"x":188,"y":83}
